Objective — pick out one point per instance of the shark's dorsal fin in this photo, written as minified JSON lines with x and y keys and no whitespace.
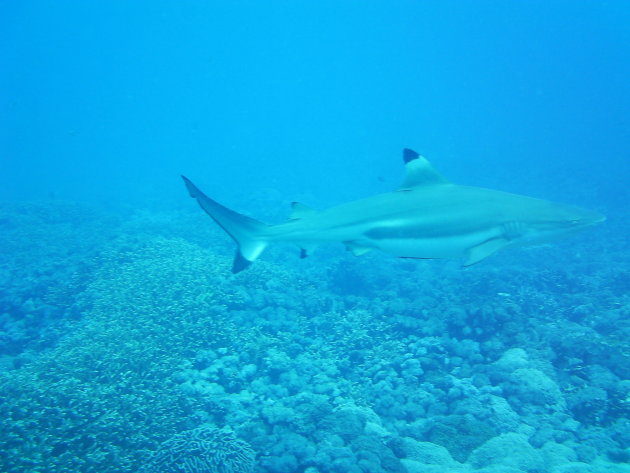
{"x":419,"y":172}
{"x":299,"y":210}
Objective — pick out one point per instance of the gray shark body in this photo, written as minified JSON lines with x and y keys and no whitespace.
{"x":427,"y":217}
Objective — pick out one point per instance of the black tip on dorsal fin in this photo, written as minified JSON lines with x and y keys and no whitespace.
{"x":409,"y":155}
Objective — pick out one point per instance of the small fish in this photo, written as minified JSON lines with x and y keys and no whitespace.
{"x":426,"y":217}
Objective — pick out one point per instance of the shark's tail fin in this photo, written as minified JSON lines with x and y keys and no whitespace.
{"x":244,"y":231}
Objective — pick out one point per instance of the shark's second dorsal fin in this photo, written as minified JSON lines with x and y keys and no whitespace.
{"x":419,"y":172}
{"x":299,"y":210}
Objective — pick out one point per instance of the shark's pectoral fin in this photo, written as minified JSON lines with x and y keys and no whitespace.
{"x":357,"y":250}
{"x":483,"y":250}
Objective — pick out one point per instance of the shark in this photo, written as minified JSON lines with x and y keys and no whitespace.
{"x":427,"y":217}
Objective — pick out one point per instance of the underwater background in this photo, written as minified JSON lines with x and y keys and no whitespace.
{"x":126,"y":343}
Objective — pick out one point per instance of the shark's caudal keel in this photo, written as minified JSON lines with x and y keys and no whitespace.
{"x":427,"y":217}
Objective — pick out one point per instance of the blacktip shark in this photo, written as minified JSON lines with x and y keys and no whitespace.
{"x":426,"y":217}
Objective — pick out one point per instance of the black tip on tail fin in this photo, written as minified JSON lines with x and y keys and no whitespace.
{"x":245,"y":231}
{"x":409,"y":155}
{"x":239,"y":263}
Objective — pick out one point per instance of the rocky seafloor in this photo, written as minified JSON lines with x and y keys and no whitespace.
{"x":126,"y":345}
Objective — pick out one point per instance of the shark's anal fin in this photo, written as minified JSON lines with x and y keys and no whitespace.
{"x":419,"y":172}
{"x":306,"y":248}
{"x":483,"y":250}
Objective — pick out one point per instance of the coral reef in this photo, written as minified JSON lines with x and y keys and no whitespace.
{"x":202,"y":450}
{"x":121,"y":336}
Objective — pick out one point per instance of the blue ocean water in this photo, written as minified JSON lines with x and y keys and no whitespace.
{"x":126,"y":343}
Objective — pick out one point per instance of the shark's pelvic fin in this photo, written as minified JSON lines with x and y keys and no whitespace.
{"x":299,"y":210}
{"x":419,"y":172}
{"x":244,"y":231}
{"x":357,"y":250}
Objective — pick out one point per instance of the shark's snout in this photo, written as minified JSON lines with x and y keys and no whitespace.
{"x":586,"y":218}
{"x":559,"y":220}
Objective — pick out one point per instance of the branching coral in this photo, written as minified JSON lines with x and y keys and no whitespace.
{"x":202,"y":450}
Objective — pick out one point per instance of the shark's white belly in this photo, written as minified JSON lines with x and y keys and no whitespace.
{"x":453,"y":246}
{"x":398,"y":237}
